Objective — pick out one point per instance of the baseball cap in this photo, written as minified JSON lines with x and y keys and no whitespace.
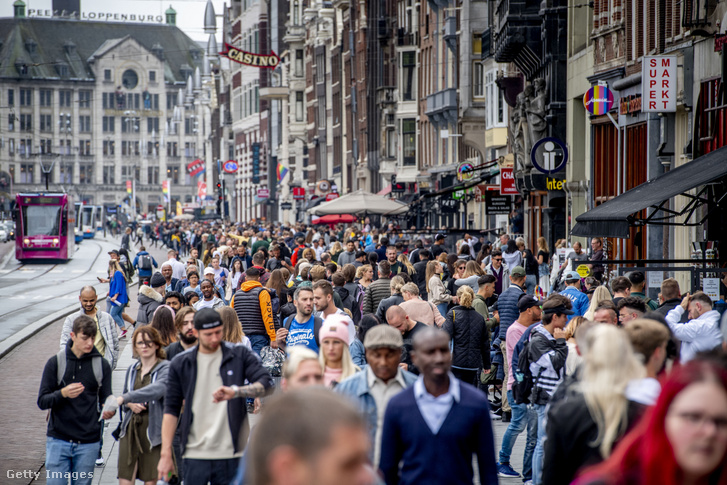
{"x":207,"y":318}
{"x":559,"y":310}
{"x":572,"y":276}
{"x":517,"y":271}
{"x":209,"y":271}
{"x":439,"y":237}
{"x":157,"y":280}
{"x":113,"y":251}
{"x":383,"y":336}
{"x":527,"y":301}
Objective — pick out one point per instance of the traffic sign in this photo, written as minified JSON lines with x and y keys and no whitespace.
{"x":549,"y":155}
{"x":230,"y":166}
{"x":583,"y":271}
{"x":598,"y":100}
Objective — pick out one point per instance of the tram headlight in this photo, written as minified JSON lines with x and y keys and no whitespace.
{"x":26,"y":241}
{"x":55,"y":241}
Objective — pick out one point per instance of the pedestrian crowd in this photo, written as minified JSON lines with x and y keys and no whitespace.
{"x":368,"y":361}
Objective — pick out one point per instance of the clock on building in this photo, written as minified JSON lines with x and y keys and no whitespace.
{"x":129,"y":79}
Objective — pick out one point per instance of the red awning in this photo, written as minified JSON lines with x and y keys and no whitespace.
{"x":385,"y":191}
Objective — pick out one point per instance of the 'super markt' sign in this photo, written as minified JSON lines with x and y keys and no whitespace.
{"x":249,"y":58}
{"x":659,"y":84}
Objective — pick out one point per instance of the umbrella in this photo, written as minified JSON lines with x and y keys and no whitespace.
{"x":184,"y":217}
{"x":361,"y":203}
{"x":334,"y":219}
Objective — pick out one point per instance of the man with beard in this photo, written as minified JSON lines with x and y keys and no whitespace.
{"x":167,"y":271}
{"x":209,"y":299}
{"x":303,"y":327}
{"x":417,"y":415}
{"x":184,"y":321}
{"x":213,"y":435}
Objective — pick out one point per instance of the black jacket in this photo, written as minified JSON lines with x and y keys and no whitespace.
{"x":571,"y":431}
{"x":238,"y":364}
{"x":74,"y":419}
{"x":387,"y":303}
{"x":420,"y":277}
{"x":471,"y":347}
{"x":346,"y":300}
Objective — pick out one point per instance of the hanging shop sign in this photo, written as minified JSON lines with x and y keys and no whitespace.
{"x":256,"y":163}
{"x":659,"y":84}
{"x":298,"y":193}
{"x":465,"y":171}
{"x":195,"y":167}
{"x":507,"y":182}
{"x":598,"y":100}
{"x":263,"y":193}
{"x":496,"y":204}
{"x":249,"y":58}
{"x":719,"y":41}
{"x":286,"y":206}
{"x":549,"y":155}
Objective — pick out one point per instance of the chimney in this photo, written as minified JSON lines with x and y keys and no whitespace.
{"x":19,"y":9}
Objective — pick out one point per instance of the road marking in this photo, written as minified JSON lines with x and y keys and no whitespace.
{"x":5,"y":271}
{"x":56,"y":271}
{"x":77,"y":271}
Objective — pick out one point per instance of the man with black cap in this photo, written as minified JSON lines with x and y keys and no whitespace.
{"x":150,"y":298}
{"x":438,"y":246}
{"x":383,"y":378}
{"x":547,"y":353}
{"x":213,"y":434}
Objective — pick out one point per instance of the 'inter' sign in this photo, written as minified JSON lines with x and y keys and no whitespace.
{"x":250,"y":59}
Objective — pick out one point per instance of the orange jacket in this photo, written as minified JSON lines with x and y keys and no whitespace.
{"x":266,"y":306}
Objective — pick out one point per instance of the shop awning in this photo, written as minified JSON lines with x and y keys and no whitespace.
{"x":614,"y":217}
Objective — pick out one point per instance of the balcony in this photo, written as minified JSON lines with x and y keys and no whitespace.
{"x":404,"y":38}
{"x":450,"y":33}
{"x":277,"y":92}
{"x":518,"y":35}
{"x":385,"y":96}
{"x":442,"y":107}
{"x":294,"y":33}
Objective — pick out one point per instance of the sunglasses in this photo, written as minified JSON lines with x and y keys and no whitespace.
{"x":497,"y":259}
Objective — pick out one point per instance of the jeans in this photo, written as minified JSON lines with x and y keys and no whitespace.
{"x":466,"y":375}
{"x":64,"y":460}
{"x":531,"y":281}
{"x":258,"y":342}
{"x":522,"y":417}
{"x":116,"y":311}
{"x":542,"y":412}
{"x":442,"y":307}
{"x":216,"y":472}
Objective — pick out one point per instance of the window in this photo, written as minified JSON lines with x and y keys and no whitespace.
{"x":46,"y":97}
{"x":152,"y":148}
{"x":477,"y":44}
{"x":64,"y":148}
{"x":65,"y":123}
{"x":152,"y":175}
{"x":152,"y":125}
{"x":11,"y":97}
{"x":408,"y":68}
{"x":130,"y":125}
{"x":11,"y":122}
{"x":107,"y":75}
{"x":172,"y":149}
{"x":26,"y":97}
{"x":84,"y":124}
{"x":299,"y":62}
{"x":26,"y":147}
{"x":391,"y":143}
{"x":190,"y":150}
{"x":152,"y":76}
{"x":26,"y":173}
{"x":173,"y":173}
{"x":46,"y":146}
{"x":85,"y":173}
{"x":299,"y":106}
{"x":478,"y":80}
{"x":45,"y":123}
{"x":11,"y":147}
{"x":108,"y":147}
{"x":296,"y":12}
{"x":26,"y":122}
{"x":109,"y":175}
{"x":171,"y":101}
{"x":107,"y":100}
{"x":84,"y":148}
{"x":109,"y":124}
{"x":65,"y":96}
{"x":495,"y":102}
{"x":66,"y":173}
{"x":11,"y":171}
{"x":409,"y":138}
{"x":84,"y":99}
{"x":155,"y":101}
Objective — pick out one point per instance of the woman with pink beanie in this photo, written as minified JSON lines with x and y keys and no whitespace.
{"x":334,"y":354}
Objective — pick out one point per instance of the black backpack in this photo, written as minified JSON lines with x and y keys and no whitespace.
{"x":317,"y":324}
{"x":145,"y":262}
{"x":522,"y":387}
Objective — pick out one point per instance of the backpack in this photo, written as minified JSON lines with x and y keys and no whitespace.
{"x":273,"y":360}
{"x":317,"y":324}
{"x":523,"y":385}
{"x":95,"y":363}
{"x":145,"y":262}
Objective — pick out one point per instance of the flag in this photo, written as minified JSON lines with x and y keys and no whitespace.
{"x":196,"y":167}
{"x":282,"y":172}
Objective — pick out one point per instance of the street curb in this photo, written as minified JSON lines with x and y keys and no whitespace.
{"x":10,"y":343}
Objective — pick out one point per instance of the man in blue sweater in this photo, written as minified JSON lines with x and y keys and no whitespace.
{"x":573,"y":291}
{"x":434,"y":427}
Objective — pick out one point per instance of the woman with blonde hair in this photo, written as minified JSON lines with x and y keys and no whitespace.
{"x":574,"y":358}
{"x":408,"y":267}
{"x":334,"y":355}
{"x":231,"y":327}
{"x":472,"y":273}
{"x":584,"y":428}
{"x":600,"y":294}
{"x":470,"y":339}
{"x":364,"y":275}
{"x":309,"y":254}
{"x":336,"y":249}
{"x":437,"y":292}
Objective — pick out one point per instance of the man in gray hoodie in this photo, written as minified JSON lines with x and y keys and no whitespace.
{"x":349,"y":255}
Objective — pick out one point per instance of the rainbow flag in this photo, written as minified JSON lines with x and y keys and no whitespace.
{"x":282,"y":172}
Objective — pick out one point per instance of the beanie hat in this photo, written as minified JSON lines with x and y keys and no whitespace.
{"x":157,"y":280}
{"x":206,"y":319}
{"x":335,"y":326}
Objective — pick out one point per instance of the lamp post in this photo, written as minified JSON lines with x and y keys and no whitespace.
{"x":131,"y":119}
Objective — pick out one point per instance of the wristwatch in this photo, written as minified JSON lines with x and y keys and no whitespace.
{"x":236,"y":389}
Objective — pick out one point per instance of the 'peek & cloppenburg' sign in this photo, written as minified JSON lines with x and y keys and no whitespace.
{"x":659,"y":84}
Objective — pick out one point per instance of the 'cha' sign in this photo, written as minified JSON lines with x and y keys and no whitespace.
{"x":659,"y":84}
{"x":250,"y":59}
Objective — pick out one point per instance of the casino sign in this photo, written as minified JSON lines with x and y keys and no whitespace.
{"x":250,"y":59}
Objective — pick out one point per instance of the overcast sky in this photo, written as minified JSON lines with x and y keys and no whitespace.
{"x":190,"y":13}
